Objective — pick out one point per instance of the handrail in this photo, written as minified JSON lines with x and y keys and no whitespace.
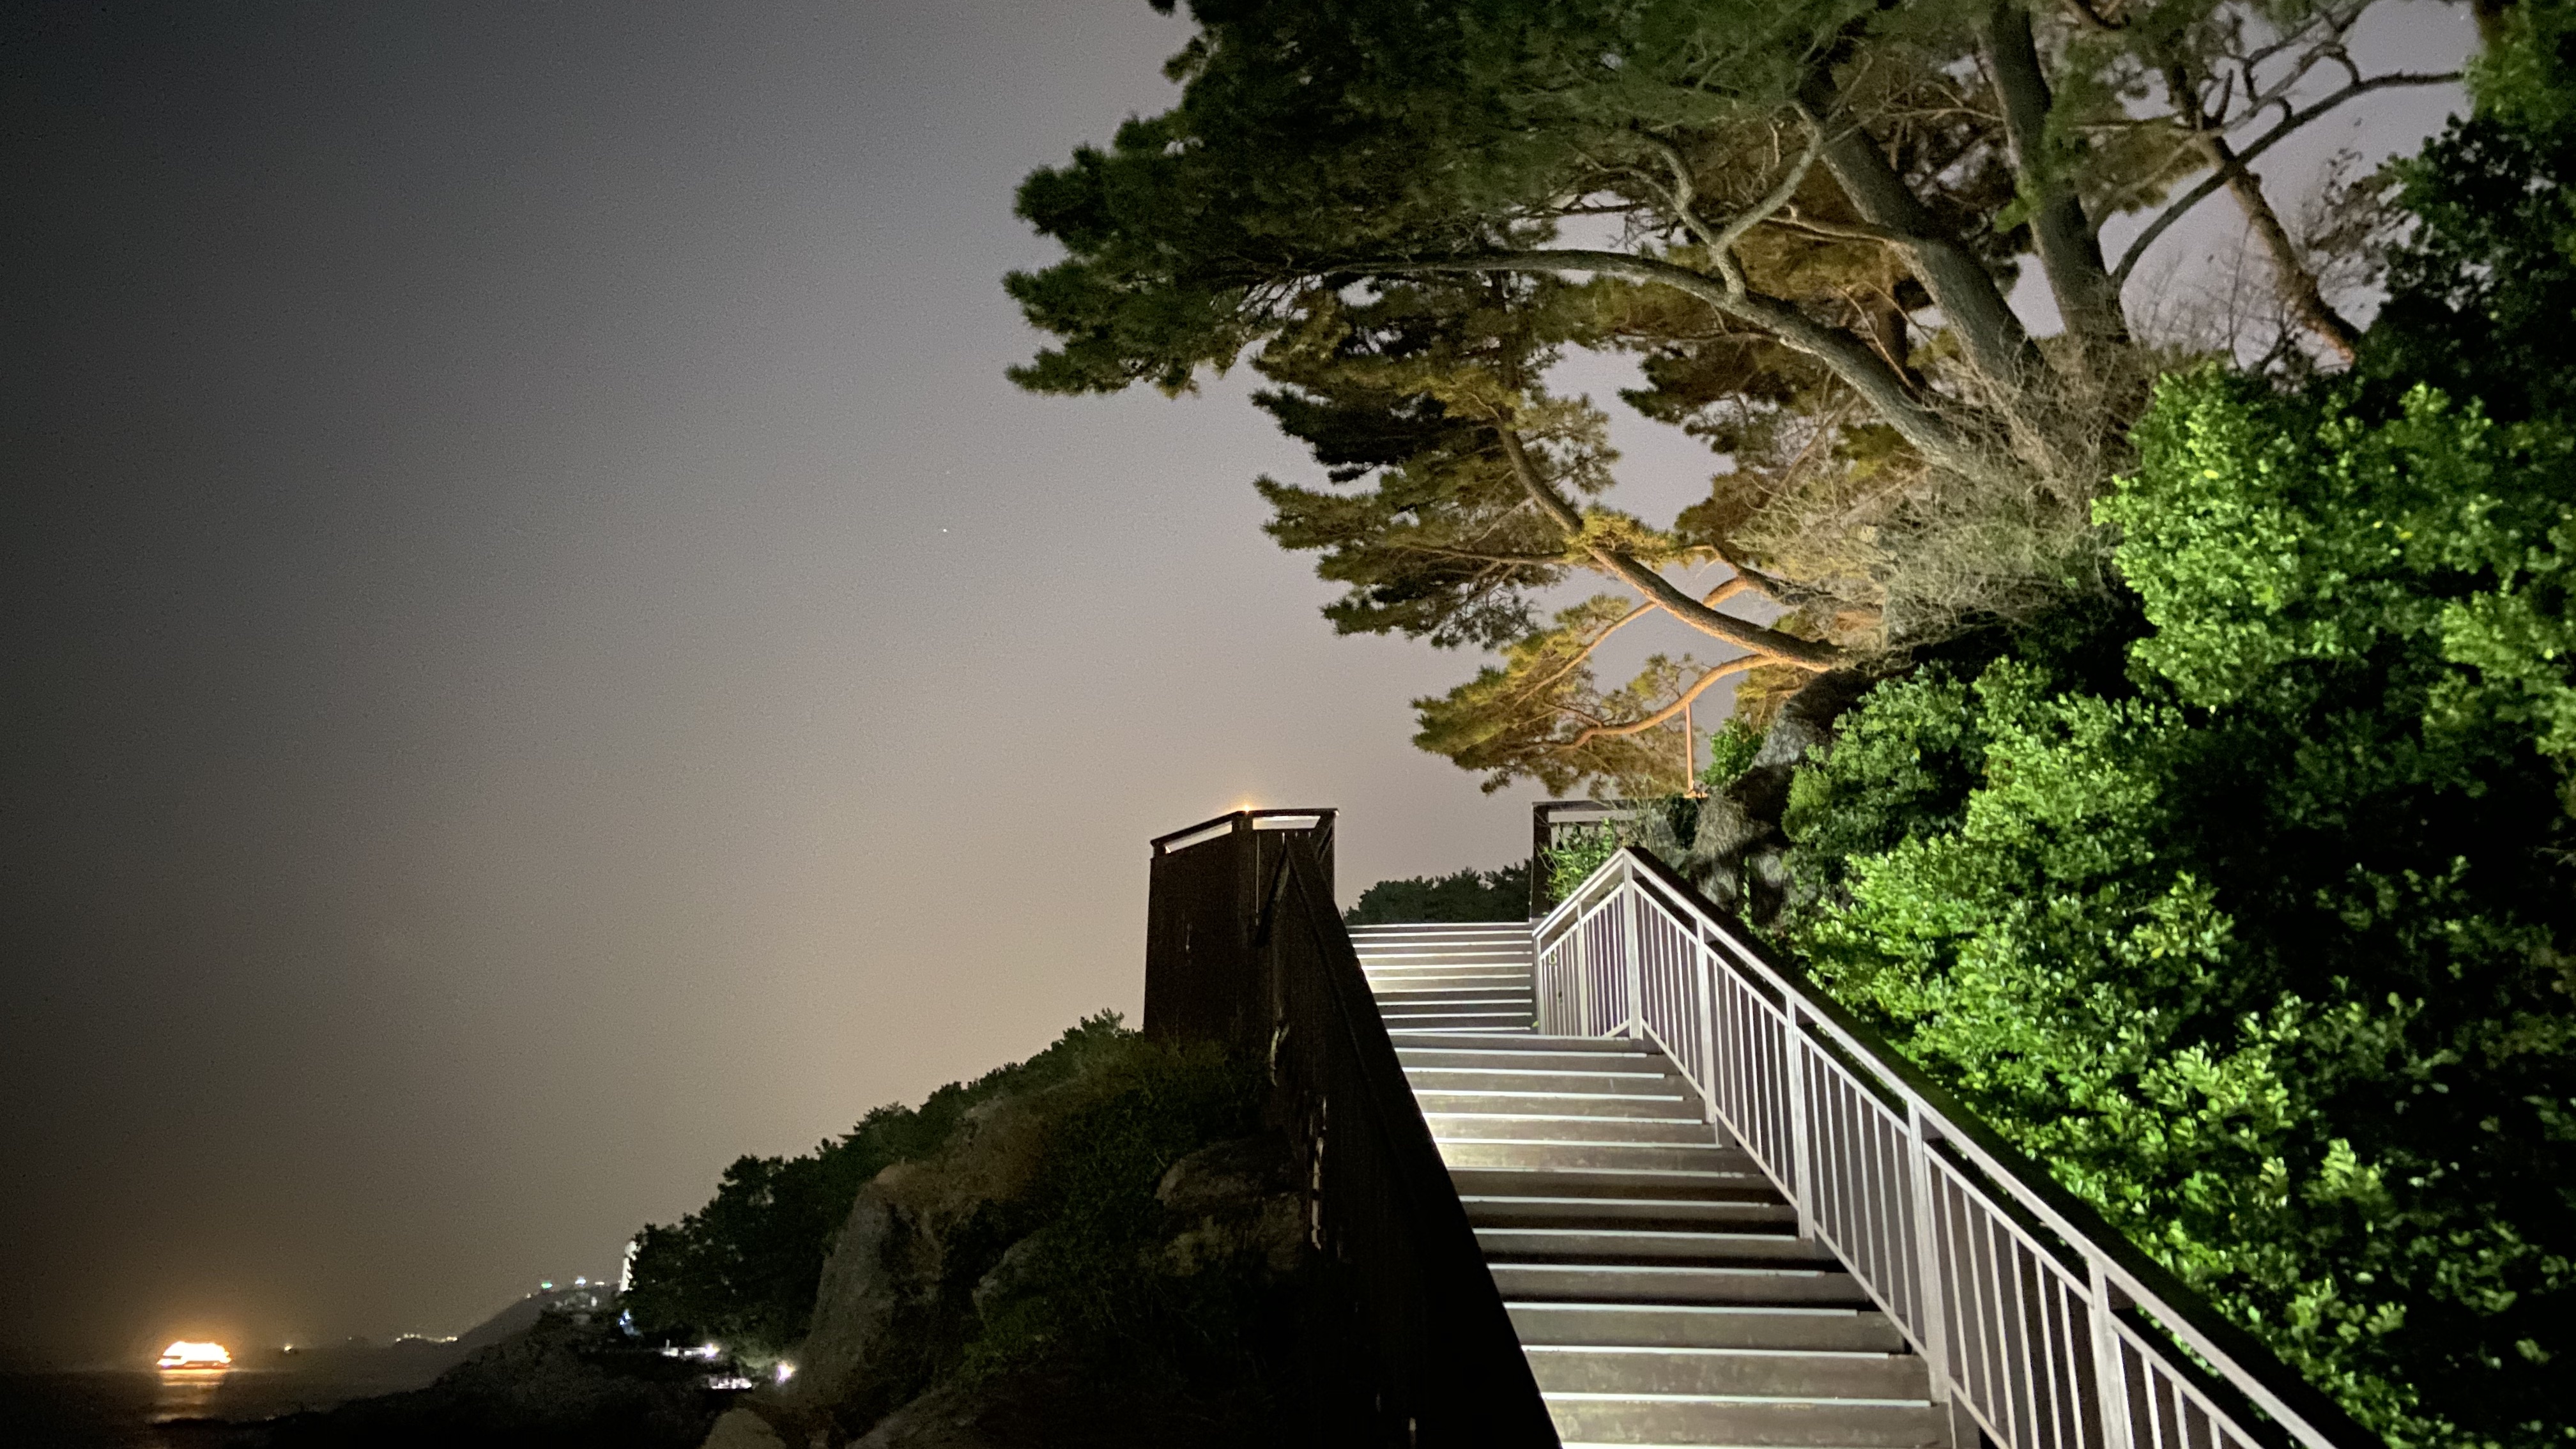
{"x":1406,"y":1341}
{"x":2040,"y":1321}
{"x":1189,"y":835}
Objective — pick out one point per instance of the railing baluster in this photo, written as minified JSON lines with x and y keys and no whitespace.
{"x":1800,"y":1194}
{"x":1635,"y":967}
{"x":1704,"y":977}
{"x":2113,"y":1391}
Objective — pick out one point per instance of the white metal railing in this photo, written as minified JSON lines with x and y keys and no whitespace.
{"x":2038,"y":1320}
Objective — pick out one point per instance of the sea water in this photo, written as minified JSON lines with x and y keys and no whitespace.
{"x":146,"y":1409}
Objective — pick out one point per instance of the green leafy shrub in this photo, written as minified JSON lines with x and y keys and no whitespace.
{"x":2264,"y":944}
{"x":1666,"y":826}
{"x":1731,"y":748}
{"x":1578,"y":851}
{"x":2264,"y":938}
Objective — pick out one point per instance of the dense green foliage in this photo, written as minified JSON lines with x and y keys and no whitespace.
{"x":744,"y":1267}
{"x":1469,"y":895}
{"x":2245,"y":904}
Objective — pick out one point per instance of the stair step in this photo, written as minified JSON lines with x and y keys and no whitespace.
{"x":1734,"y":1175}
{"x":1598,"y":1156}
{"x":1706,"y":1325}
{"x":1746,"y":1420}
{"x":1452,"y":996}
{"x":1633,"y":1100}
{"x":1509,"y":1211}
{"x":1629,"y":1246}
{"x":1624,"y":1079}
{"x":1569,"y":1127}
{"x":1515,"y":1059}
{"x":1769,"y":1372}
{"x":1532,"y":1041}
{"x":1675,"y":1283}
{"x":1652,"y":1271}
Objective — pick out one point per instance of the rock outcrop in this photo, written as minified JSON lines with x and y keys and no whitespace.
{"x":881,"y":1317}
{"x":946,"y":1316}
{"x":1737,"y":854}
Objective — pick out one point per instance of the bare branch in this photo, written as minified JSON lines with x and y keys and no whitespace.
{"x":1842,"y":230}
{"x":1777,"y":197}
{"x":1727,"y":590}
{"x":1464,"y":555}
{"x":1742,"y":633}
{"x":2297,"y":280}
{"x":1665,"y":715}
{"x":2245,"y":158}
{"x":1721,"y":241}
{"x":1569,"y":666}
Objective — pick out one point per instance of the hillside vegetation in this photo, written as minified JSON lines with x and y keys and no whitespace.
{"x":1096,"y":1245}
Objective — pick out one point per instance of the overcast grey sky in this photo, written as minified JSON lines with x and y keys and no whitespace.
{"x":543,"y":653}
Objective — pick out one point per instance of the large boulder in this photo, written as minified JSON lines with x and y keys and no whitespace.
{"x":879,"y":1314}
{"x":955,"y":1307}
{"x":1239,"y":1200}
{"x":741,"y":1428}
{"x":1738,"y":855}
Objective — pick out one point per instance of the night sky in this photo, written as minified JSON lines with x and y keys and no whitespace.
{"x":543,"y":654}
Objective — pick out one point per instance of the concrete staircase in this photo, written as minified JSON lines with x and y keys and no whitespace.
{"x":1449,"y":978}
{"x":1656,"y":1277}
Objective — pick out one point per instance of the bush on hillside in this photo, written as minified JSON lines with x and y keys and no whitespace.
{"x":743,"y":1268}
{"x":1469,"y":895}
{"x":1023,"y":1260}
{"x":1667,"y":826}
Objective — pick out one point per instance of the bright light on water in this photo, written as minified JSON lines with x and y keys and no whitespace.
{"x":187,"y":1355}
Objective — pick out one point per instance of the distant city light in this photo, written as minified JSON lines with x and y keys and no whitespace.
{"x":547,"y":1284}
{"x":786,"y":1371}
{"x":187,"y":1355}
